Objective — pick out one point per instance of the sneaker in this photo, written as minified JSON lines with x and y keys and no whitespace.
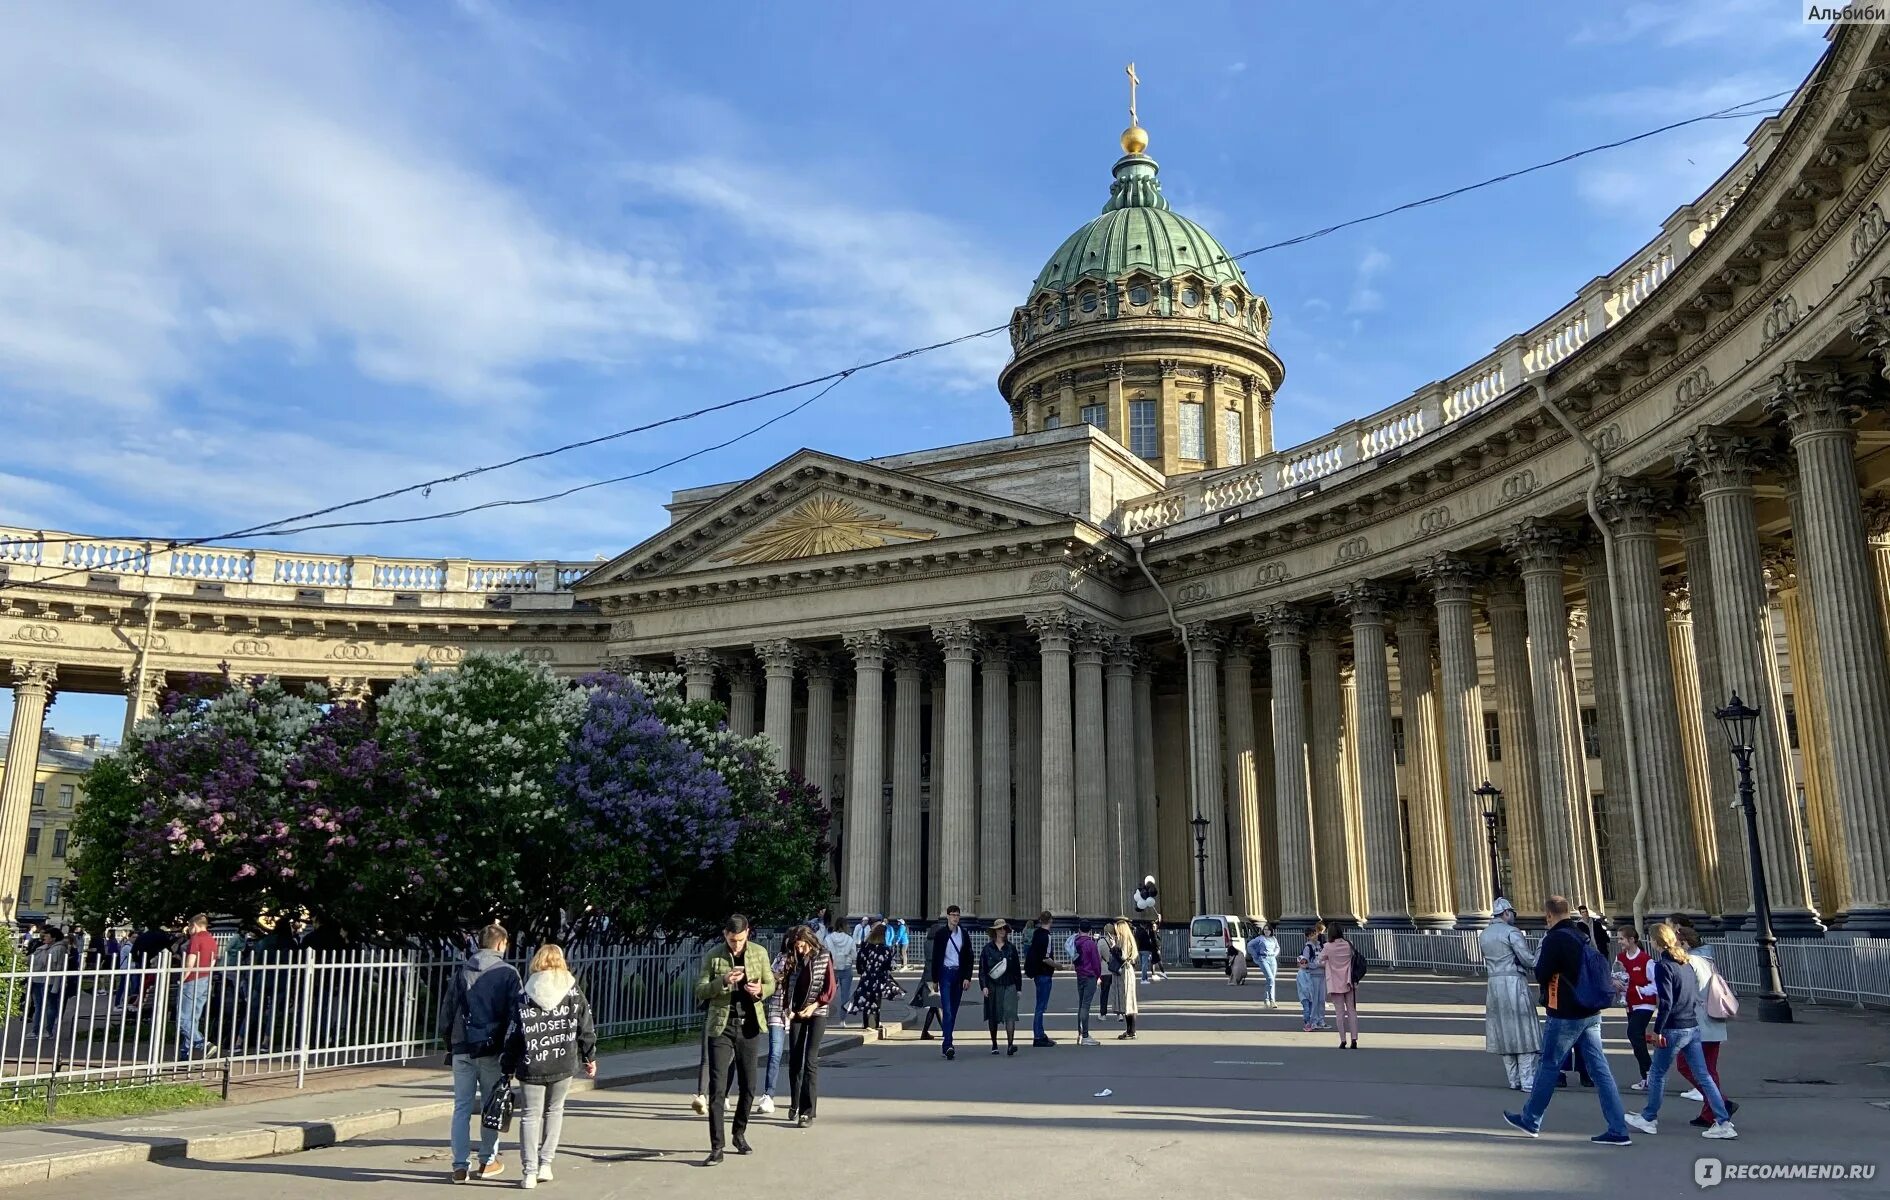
{"x":460,"y":1175}
{"x":528,"y":1182}
{"x":1650,"y":1128}
{"x":211,"y":1050}
{"x":700,"y":1105}
{"x":1611,"y":1138}
{"x":1722,"y":1132}
{"x":1088,"y":1041}
{"x":728,"y":1104}
{"x":1042,"y":1042}
{"x":1305,"y":1029}
{"x":544,"y":1173}
{"x":766,"y":1106}
{"x":492,"y":1169}
{"x":1638,"y":1087}
{"x":995,"y":1052}
{"x":1516,"y":1122}
{"x":1692,"y":1094}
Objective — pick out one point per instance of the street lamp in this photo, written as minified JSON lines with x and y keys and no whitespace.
{"x":1490,"y":794}
{"x":1739,"y":721}
{"x":1200,"y":824}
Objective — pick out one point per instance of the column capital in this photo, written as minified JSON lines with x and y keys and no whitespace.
{"x":1054,"y":628}
{"x":907,"y":657}
{"x":1631,"y":508}
{"x":869,"y":647}
{"x":778,"y":654}
{"x":958,"y":639}
{"x":1412,"y":612}
{"x":1780,"y":563}
{"x":740,"y":670}
{"x":349,"y":688}
{"x":697,"y":658}
{"x":1452,"y":577}
{"x":1240,"y":645}
{"x":1538,"y":546}
{"x":1721,"y":457}
{"x":1678,"y":598}
{"x":1815,"y":397}
{"x":1877,"y":515}
{"x":1206,"y":639}
{"x":994,"y":651}
{"x":818,"y":665}
{"x":1285,"y":624}
{"x":1124,"y":658}
{"x":1365,"y":601}
{"x":1502,"y":590}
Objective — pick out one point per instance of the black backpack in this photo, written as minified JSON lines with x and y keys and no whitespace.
{"x":1359,"y":965}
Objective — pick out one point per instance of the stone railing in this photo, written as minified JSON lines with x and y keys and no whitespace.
{"x":47,"y":556}
{"x":1603,"y":303}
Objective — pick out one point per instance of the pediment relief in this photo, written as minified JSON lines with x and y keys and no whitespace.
{"x":824,"y":524}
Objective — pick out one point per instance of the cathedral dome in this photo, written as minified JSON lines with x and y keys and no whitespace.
{"x":1137,"y":231}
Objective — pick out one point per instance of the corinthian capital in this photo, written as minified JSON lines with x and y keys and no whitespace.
{"x":1630,"y":507}
{"x":1538,"y":545}
{"x":1871,"y":324}
{"x":1053,"y":627}
{"x":1285,"y":624}
{"x":1720,"y":457}
{"x":778,"y":654}
{"x":34,"y":678}
{"x":1365,"y":600}
{"x":868,"y":647}
{"x":1452,"y":577}
{"x":1816,"y":397}
{"x":958,"y":639}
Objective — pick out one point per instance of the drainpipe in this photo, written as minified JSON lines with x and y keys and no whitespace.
{"x":144,"y":655}
{"x":1620,"y":662}
{"x":1187,"y":654}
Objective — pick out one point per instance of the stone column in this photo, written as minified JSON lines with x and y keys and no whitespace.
{"x":1204,"y":653}
{"x":141,"y":695}
{"x":1124,"y":836}
{"x":865,"y":816}
{"x":741,"y":697}
{"x":1091,"y":768}
{"x":1686,"y":685}
{"x":1027,"y":776}
{"x":994,"y":810}
{"x":1285,"y":627}
{"x":1835,"y":562}
{"x":904,"y":883}
{"x":1600,"y":598}
{"x":698,"y":668}
{"x":1724,"y":460}
{"x":777,"y":722}
{"x":1722,"y":826}
{"x":1824,"y":822}
{"x":1326,"y":721}
{"x":32,"y":693}
{"x":1264,"y":770}
{"x":1386,"y":902}
{"x":1358,"y":863}
{"x":1877,"y":525}
{"x":1053,"y":630}
{"x":1526,"y":886}
{"x":1568,"y":857}
{"x":817,"y":754}
{"x":1432,"y":904}
{"x":954,"y":787}
{"x":1248,"y":882}
{"x":1466,"y":763}
{"x":1147,"y":827}
{"x":1652,"y":700}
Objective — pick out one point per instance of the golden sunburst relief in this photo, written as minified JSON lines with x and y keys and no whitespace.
{"x":823,"y":525}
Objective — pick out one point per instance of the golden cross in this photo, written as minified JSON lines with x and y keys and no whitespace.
{"x":1133,"y":80}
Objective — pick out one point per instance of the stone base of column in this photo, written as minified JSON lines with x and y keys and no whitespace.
{"x":1294,"y":926}
{"x":1733,"y":922}
{"x":1430,"y":923}
{"x":1796,"y":923}
{"x":1531,"y":924}
{"x":1473,"y":922}
{"x":1864,"y":922}
{"x":1393,"y":922}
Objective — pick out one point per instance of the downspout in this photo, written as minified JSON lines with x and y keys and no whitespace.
{"x":1620,"y":660}
{"x":1187,"y":654}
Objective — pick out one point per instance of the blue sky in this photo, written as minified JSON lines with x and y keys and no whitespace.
{"x":255,"y":258}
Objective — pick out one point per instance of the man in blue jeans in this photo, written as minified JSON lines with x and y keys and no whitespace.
{"x":951,"y":970}
{"x":1570,"y":1025}
{"x":475,"y":1016}
{"x":1038,"y":966}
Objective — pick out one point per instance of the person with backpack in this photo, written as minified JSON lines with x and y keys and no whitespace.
{"x":1576,"y":986}
{"x":1344,"y":967}
{"x":1676,"y":1033}
{"x":1717,"y":1006}
{"x":476,"y":1017}
{"x":552,"y":1038}
{"x":1039,"y":967}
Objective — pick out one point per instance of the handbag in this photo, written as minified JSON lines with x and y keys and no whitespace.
{"x":499,"y":1107}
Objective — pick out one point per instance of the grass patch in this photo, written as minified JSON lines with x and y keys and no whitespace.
{"x":29,"y":1108}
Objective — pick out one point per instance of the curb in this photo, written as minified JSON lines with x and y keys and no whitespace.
{"x":267,"y":1140}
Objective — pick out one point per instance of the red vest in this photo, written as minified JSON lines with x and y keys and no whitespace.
{"x":1640,"y":974}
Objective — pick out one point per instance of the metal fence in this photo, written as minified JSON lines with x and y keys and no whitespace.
{"x":1836,"y":970}
{"x":259,"y":1015}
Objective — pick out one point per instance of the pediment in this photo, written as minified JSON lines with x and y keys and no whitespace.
{"x":817,"y":506}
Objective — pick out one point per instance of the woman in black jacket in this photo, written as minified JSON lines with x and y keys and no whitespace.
{"x":1000,"y":977}
{"x":807,"y":989}
{"x":552,"y":1037}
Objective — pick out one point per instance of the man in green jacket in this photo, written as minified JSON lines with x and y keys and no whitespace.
{"x":735,"y":981}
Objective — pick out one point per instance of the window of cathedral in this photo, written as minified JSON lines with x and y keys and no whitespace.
{"x":1591,"y":733}
{"x":1397,"y":739}
{"x":1088,"y":302}
{"x":1097,"y":415}
{"x":1138,"y":294}
{"x":1052,"y":421}
{"x":1190,"y":297}
{"x":1144,"y":438}
{"x":1230,"y":437}
{"x":1492,"y":738}
{"x":1191,"y":431}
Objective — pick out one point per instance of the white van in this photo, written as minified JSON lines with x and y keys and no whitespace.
{"x":1211,"y":939}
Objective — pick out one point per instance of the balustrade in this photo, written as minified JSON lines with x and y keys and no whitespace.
{"x":1304,"y":466}
{"x":1388,"y":433}
{"x":1639,"y":282}
{"x":313,"y":572}
{"x":1237,"y":488}
{"x":221,"y":566}
{"x":130,"y":557}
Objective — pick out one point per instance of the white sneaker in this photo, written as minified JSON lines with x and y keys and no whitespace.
{"x":1089,"y":1041}
{"x":528,"y":1182}
{"x":1722,"y":1132}
{"x":1638,"y":1087}
{"x":1692,"y":1094}
{"x":766,"y":1106}
{"x":1644,"y":1125}
{"x":700,"y":1105}
{"x":728,"y":1104}
{"x":544,"y":1173}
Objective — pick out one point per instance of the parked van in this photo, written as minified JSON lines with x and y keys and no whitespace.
{"x":1211,"y":939}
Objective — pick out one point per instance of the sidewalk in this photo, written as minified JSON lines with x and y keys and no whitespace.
{"x":299,"y":1121}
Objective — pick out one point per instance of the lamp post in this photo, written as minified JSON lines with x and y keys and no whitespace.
{"x":1739,"y":720}
{"x":1200,"y":824}
{"x":1490,"y":794}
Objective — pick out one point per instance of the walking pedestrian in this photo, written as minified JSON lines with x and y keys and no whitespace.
{"x":1576,"y":986}
{"x":777,"y":1033}
{"x":1676,"y":1032}
{"x":1039,"y":967}
{"x":952,"y":966}
{"x":476,"y":1016}
{"x":1263,"y":950}
{"x":1000,"y":978}
{"x":552,"y":1038}
{"x":925,"y":998}
{"x":1127,"y":996}
{"x":1311,"y":981}
{"x":1337,"y":956}
{"x":1640,"y":992}
{"x":1144,"y":948}
{"x":1717,"y":1006}
{"x":1236,"y":959}
{"x":844,"y":951}
{"x":198,"y":960}
{"x":900,"y":939}
{"x":875,"y":979}
{"x":810,"y":985}
{"x":1509,"y":1010}
{"x":1087,"y":960}
{"x":736,"y":980}
{"x":46,"y":967}
{"x":1146,"y":901}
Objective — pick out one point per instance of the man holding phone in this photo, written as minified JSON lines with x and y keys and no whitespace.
{"x":735,"y":981}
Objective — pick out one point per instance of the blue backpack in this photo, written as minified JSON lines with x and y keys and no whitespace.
{"x":1594,"y":986}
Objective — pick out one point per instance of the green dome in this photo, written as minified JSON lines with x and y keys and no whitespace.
{"x":1137,"y":230}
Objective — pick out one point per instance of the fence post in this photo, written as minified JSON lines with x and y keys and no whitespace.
{"x":1857,"y":974}
{"x":303,"y":1021}
{"x":160,"y":1011}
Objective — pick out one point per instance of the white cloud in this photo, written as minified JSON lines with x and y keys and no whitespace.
{"x":1366,"y":298}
